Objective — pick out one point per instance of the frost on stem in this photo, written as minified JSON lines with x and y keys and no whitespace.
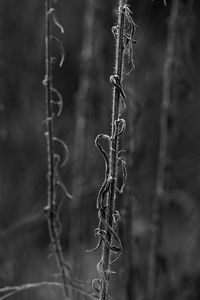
{"x":109,"y":217}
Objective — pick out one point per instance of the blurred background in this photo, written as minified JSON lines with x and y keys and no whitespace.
{"x":84,"y":84}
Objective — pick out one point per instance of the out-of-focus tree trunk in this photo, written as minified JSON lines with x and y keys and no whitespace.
{"x":164,"y":157}
{"x":131,"y":205}
{"x":80,"y":145}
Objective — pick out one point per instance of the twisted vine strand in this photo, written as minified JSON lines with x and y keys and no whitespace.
{"x":163,"y":156}
{"x":109,"y":217}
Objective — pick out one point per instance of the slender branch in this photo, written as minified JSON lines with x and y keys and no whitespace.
{"x":52,"y":207}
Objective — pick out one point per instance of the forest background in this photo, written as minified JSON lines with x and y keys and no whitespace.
{"x":89,"y":46}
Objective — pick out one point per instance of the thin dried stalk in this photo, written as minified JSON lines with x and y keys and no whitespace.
{"x":104,"y":265}
{"x":52,"y":208}
{"x":109,"y":217}
{"x":163,"y":157}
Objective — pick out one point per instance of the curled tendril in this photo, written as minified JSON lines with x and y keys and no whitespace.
{"x":61,"y":48}
{"x":117,"y":249}
{"x":120,"y":126}
{"x":61,"y":184}
{"x":96,"y":284}
{"x":115,"y":30}
{"x":100,"y":233}
{"x":95,"y":248}
{"x":115,"y":81}
{"x":46,"y":80}
{"x":52,"y":11}
{"x":97,"y":144}
{"x":66,"y":151}
{"x":116,"y":218}
{"x":59,"y":102}
{"x":105,"y":186}
{"x":121,"y":160}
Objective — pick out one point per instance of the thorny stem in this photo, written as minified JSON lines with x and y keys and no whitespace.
{"x":113,"y":150}
{"x":163,"y":158}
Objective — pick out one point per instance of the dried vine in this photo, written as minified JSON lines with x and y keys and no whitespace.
{"x":163,"y":156}
{"x":109,"y":217}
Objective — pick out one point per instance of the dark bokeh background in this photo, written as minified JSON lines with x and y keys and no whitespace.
{"x":24,"y":250}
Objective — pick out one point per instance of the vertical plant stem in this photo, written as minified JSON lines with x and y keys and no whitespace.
{"x":53,"y":222}
{"x":48,"y":96}
{"x":163,"y":157}
{"x":113,"y":151}
{"x":54,"y":160}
